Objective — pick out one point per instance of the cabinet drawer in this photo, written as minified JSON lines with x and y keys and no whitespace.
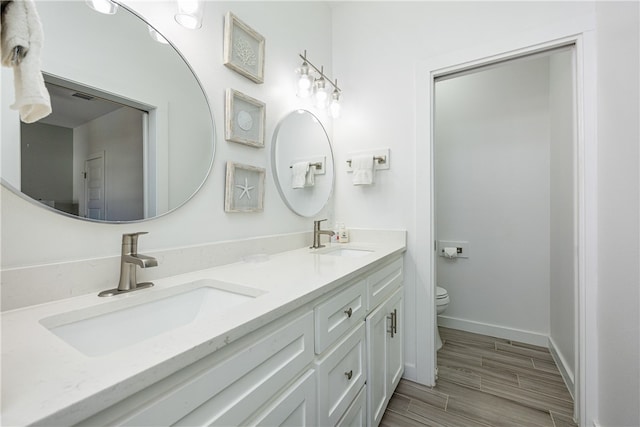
{"x":296,"y":406}
{"x":356,"y":415}
{"x":227,"y":392}
{"x":339,"y":314}
{"x":341,"y":375}
{"x":383,"y":282}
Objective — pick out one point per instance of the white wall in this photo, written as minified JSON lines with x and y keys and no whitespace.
{"x":562,"y":329}
{"x":618,"y":38}
{"x":46,"y":159}
{"x":379,"y":69}
{"x":33,"y":236}
{"x":491,"y":162}
{"x":119,"y":135}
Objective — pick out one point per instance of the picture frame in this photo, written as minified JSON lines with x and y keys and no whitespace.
{"x":244,"y":190}
{"x":243,"y":49}
{"x":244,"y":118}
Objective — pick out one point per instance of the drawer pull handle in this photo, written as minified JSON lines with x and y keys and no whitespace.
{"x":349,"y":374}
{"x":348,"y":312}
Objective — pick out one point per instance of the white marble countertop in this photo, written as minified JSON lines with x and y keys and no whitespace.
{"x":47,"y":381}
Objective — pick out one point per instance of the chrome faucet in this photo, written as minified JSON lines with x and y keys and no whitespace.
{"x":317,"y":233}
{"x":129,"y":260}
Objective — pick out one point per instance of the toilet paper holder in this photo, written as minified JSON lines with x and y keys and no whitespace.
{"x":445,"y":248}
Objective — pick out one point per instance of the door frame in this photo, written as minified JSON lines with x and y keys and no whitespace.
{"x":579,"y":32}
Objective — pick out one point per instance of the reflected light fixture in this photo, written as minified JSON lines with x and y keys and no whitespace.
{"x":190,"y":13}
{"x":155,"y":35}
{"x":103,"y":6}
{"x":309,"y":85}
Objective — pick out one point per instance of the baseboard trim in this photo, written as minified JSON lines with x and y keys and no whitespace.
{"x":410,"y":371}
{"x":497,"y":331}
{"x":567,"y":374}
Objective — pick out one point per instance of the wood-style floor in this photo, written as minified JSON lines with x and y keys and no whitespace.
{"x":485,"y":381}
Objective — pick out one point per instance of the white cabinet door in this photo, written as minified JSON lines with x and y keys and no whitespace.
{"x":377,"y":325}
{"x":296,"y":407}
{"x":385,"y":355}
{"x":395,"y":366}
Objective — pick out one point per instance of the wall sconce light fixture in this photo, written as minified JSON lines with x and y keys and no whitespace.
{"x":309,"y":85}
{"x":103,"y":6}
{"x":190,"y":13}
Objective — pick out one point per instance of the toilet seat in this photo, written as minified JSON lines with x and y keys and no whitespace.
{"x":441,"y":293}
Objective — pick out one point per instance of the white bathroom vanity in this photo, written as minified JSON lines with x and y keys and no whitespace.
{"x":304,"y":337}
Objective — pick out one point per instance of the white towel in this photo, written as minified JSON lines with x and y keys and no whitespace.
{"x":299,"y":174}
{"x":21,"y":40}
{"x":362,"y":167}
{"x":310,"y":177}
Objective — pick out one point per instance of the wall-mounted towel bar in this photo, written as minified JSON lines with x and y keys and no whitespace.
{"x":381,"y":160}
{"x":317,"y":165}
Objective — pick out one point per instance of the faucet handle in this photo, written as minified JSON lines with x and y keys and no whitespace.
{"x":316,"y":223}
{"x":131,"y":240}
{"x":136,"y":234}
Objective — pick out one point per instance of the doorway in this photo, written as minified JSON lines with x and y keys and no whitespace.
{"x":578,"y":33}
{"x":504,"y":188}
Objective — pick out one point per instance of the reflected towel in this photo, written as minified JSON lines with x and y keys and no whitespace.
{"x":21,"y":41}
{"x":362,"y":167}
{"x":299,"y":174}
{"x":310,"y":177}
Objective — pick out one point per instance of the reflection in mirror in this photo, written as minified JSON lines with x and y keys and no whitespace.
{"x":131,"y":133}
{"x":301,"y":138}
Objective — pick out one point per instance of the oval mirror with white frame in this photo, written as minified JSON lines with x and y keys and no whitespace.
{"x":300,"y":139}
{"x":131,"y":135}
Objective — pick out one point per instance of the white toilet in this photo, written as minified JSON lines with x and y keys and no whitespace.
{"x":442,"y":302}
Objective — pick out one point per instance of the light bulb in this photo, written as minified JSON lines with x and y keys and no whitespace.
{"x":305,"y":81}
{"x":321,"y":93}
{"x":190,"y":13}
{"x":334,"y":106}
{"x":103,"y":6}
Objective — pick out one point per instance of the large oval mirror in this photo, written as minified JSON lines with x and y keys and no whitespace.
{"x":300,"y":139}
{"x":131,"y":135}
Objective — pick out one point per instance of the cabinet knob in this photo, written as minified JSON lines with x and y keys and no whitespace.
{"x":348,"y":312}
{"x":349,"y":374}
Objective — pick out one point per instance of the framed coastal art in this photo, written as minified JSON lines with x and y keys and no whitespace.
{"x":244,"y":119}
{"x":243,"y":49}
{"x":244,"y":190}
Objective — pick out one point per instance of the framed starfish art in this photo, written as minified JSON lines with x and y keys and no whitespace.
{"x":244,"y":188}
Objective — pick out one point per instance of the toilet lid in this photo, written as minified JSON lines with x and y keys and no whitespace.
{"x":441,"y":292}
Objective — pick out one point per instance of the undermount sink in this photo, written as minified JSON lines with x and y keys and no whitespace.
{"x":348,"y":252}
{"x":120,"y":324}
